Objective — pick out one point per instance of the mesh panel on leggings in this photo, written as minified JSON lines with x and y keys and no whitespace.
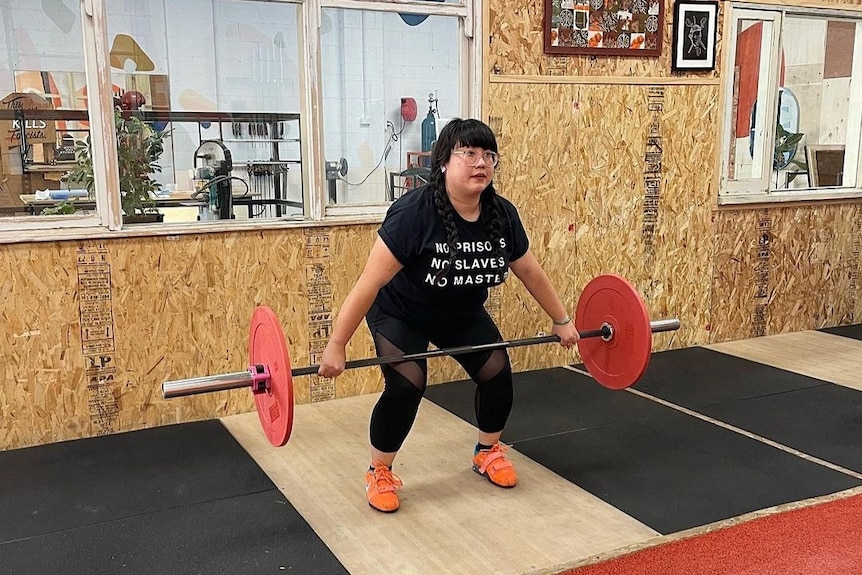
{"x":495,"y":363}
{"x":412,"y":371}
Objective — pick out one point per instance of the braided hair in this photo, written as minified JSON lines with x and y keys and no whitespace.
{"x":466,"y":133}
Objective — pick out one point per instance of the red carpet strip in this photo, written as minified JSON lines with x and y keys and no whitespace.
{"x":821,"y":539}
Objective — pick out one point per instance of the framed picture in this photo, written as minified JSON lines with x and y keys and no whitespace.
{"x":604,"y":27}
{"x":694,"y":30}
{"x":825,"y":164}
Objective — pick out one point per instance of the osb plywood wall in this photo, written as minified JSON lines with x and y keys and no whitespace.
{"x":615,"y":186}
{"x":91,"y":330}
{"x":628,"y":165}
{"x":785,"y":269}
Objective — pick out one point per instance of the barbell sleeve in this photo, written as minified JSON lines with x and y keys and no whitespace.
{"x":237,"y":380}
{"x":660,"y":325}
{"x":207,"y":383}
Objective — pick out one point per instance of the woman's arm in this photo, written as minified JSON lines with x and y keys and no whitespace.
{"x":530,"y":272}
{"x":380,"y":268}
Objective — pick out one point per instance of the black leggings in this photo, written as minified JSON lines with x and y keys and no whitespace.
{"x":405,"y":382}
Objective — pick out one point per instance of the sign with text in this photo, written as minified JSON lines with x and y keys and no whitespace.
{"x":27,"y":121}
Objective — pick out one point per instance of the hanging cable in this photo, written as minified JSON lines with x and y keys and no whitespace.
{"x":393,"y":137}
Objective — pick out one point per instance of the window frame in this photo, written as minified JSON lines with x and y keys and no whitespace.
{"x":758,"y":188}
{"x":108,"y":220}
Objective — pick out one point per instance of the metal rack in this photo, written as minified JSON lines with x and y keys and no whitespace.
{"x":264,"y":131}
{"x":265,"y":178}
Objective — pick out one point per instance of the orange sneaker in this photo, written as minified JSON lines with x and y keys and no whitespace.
{"x":380,"y":487}
{"x":492,"y":464}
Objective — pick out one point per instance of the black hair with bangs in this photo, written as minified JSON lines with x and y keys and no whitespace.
{"x":467,"y":133}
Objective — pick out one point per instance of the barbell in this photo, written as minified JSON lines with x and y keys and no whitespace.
{"x":616,"y":353}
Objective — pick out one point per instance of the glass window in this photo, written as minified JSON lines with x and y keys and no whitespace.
{"x":43,"y":110}
{"x":792,"y":131}
{"x":216,"y":83}
{"x":225,"y":110}
{"x":814,"y":105}
{"x":390,"y":81}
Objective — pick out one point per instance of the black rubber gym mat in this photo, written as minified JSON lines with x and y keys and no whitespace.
{"x":670,"y":470}
{"x":816,"y":417}
{"x":250,"y":534}
{"x":823,"y":421}
{"x":695,"y":377}
{"x":578,"y":402}
{"x":172,"y":488}
{"x":674,"y":471}
{"x":853,"y":331}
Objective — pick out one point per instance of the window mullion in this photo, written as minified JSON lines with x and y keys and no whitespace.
{"x":854,"y":124}
{"x":472,"y":62}
{"x":468,"y":102}
{"x":100,"y":107}
{"x":767,"y":98}
{"x":311,"y":101}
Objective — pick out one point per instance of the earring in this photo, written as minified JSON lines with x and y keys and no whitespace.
{"x":443,"y":168}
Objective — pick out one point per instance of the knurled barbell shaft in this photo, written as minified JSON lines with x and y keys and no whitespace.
{"x":604,"y":331}
{"x":241,"y":379}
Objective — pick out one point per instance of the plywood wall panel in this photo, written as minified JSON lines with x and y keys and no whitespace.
{"x":169,"y":308}
{"x":517,"y":47}
{"x":812,"y":267}
{"x":783,"y":269}
{"x":584,"y":189}
{"x":37,"y":306}
{"x":538,"y":167}
{"x":350,"y":248}
{"x":740,"y":275}
{"x":679,"y":256}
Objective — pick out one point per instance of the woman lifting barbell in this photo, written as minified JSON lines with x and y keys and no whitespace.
{"x":438,"y":251}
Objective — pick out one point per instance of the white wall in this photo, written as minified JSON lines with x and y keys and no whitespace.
{"x":824,"y":104}
{"x":32,"y":38}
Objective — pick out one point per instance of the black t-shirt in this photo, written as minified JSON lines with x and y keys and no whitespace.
{"x":415,"y":234}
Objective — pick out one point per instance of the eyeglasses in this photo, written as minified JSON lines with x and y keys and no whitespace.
{"x":471,"y":158}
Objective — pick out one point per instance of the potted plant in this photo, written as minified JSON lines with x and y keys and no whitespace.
{"x":786,"y":144}
{"x":139,"y":147}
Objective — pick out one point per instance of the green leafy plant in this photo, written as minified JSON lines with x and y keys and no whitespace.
{"x":139,"y":147}
{"x":64,"y":207}
{"x":786,"y":143}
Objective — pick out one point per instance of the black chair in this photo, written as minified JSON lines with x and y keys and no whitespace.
{"x":402,"y":182}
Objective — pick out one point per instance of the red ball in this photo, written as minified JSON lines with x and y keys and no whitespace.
{"x":132,"y":100}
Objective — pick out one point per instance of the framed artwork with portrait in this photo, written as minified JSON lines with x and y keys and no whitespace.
{"x":694,"y":31}
{"x":604,"y":27}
